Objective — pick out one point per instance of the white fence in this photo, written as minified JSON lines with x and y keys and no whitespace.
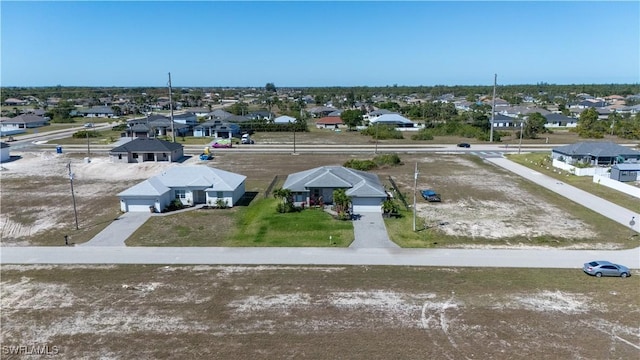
{"x":590,"y":171}
{"x":617,"y":185}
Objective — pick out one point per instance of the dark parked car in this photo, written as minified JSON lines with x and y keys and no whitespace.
{"x":605,"y":268}
{"x":430,"y":195}
{"x":464,"y":145}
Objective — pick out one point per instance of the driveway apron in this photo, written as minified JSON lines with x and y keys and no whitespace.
{"x":370,"y":232}
{"x":119,"y":230}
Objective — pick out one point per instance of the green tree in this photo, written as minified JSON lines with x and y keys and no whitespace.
{"x":589,"y":126}
{"x":342,"y":203}
{"x":351,"y":118}
{"x":62,"y":112}
{"x":270,"y":87}
{"x":534,"y":126}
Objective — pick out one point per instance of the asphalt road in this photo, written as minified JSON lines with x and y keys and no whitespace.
{"x":529,"y":258}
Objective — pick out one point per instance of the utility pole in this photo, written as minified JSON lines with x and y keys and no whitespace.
{"x":376,"y":150}
{"x":73,"y":195}
{"x":415,"y":185}
{"x":521,"y":131}
{"x":493,"y":106}
{"x":173,"y":132}
{"x":88,"y":146}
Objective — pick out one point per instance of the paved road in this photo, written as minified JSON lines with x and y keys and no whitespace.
{"x":605,"y":208}
{"x":546,"y":258}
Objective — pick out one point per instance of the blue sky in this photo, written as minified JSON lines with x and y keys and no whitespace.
{"x":318,"y":43}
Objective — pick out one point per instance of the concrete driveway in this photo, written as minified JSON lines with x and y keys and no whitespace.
{"x":370,"y":232}
{"x":119,"y":230}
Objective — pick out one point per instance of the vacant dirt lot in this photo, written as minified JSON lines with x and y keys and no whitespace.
{"x":479,"y":201}
{"x":267,"y":312}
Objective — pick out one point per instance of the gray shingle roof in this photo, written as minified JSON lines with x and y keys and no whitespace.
{"x":152,"y":145}
{"x":596,"y":148}
{"x":358,"y":183}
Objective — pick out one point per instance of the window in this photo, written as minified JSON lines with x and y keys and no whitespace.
{"x":135,"y":155}
{"x":181,"y":194}
{"x":219,"y":194}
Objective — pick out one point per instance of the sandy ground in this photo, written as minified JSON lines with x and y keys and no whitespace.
{"x":173,"y":307}
{"x":515,"y":213}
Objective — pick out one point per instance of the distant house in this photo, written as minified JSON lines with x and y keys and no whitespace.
{"x":97,"y":111}
{"x":393,"y":119}
{"x":15,"y":102}
{"x":500,"y":120}
{"x":321,"y":111}
{"x":216,"y":129}
{"x":365,"y":189}
{"x":186,"y":118}
{"x":284,"y":119}
{"x":219,"y":114}
{"x":559,"y":120}
{"x":5,"y":154}
{"x":329,"y":122}
{"x":20,"y":123}
{"x":261,"y":115}
{"x":141,"y":150}
{"x":595,"y":153}
{"x":192,"y":185}
{"x":625,"y":172}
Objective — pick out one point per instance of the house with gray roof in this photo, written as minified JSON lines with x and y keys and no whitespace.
{"x":596,"y":153}
{"x":393,"y":119}
{"x":219,"y":114}
{"x":145,"y":149}
{"x":560,"y":120}
{"x":19,"y":124}
{"x":365,"y":189}
{"x":97,"y":111}
{"x":192,"y":185}
{"x":216,"y":129}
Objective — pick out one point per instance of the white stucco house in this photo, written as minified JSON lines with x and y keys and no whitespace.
{"x":192,"y":185}
{"x":284,"y":119}
{"x":365,"y":189}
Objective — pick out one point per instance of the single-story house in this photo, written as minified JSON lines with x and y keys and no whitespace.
{"x":97,"y":111}
{"x":15,"y":102}
{"x":365,"y":189}
{"x":261,"y":115}
{"x":217,"y":129}
{"x":284,"y":119}
{"x":5,"y":152}
{"x":186,"y":118}
{"x":220,"y":114}
{"x":24,"y":121}
{"x":557,"y":120}
{"x":329,"y":122}
{"x":192,"y":185}
{"x":393,"y":119}
{"x":145,"y":149}
{"x":625,"y":172}
{"x":500,"y":120}
{"x":595,"y":153}
{"x":320,"y":111}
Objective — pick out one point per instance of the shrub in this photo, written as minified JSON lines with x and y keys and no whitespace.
{"x":387,"y":159}
{"x":84,"y":133}
{"x":363,"y":165}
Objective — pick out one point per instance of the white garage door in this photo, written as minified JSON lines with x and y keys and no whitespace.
{"x":361,"y":205}
{"x":138,"y":205}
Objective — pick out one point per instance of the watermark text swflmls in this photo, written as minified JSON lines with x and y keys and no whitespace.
{"x":30,"y":350}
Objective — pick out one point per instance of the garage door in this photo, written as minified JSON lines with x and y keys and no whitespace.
{"x":138,"y":205}
{"x":361,"y":205}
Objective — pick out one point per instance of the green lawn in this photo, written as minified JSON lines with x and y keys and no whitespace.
{"x":540,"y":162}
{"x":256,"y":225}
